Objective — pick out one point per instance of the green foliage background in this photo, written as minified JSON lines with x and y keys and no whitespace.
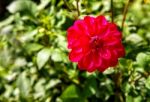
{"x":34,"y":65}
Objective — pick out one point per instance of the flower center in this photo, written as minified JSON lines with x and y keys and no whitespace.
{"x":96,"y":43}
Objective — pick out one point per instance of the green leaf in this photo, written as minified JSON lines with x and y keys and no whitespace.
{"x":22,"y":5}
{"x":75,"y":100}
{"x":42,"y":57}
{"x":109,"y":71}
{"x":61,"y":42}
{"x":23,"y":84}
{"x":52,"y":83}
{"x":31,"y":47}
{"x":126,"y":87}
{"x":147,"y":83}
{"x":133,"y":99}
{"x":7,"y":29}
{"x":7,"y":21}
{"x":134,"y":38}
{"x":43,"y":4}
{"x":28,"y":36}
{"x":90,"y":87}
{"x":39,"y":88}
{"x":96,"y":5}
{"x":141,"y":59}
{"x":71,"y":91}
{"x":56,"y":55}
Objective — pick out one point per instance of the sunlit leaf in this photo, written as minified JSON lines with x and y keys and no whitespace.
{"x":22,"y":5}
{"x":23,"y":84}
{"x":42,"y":57}
{"x":56,"y":55}
{"x":71,"y":91}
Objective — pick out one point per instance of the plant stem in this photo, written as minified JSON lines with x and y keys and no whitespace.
{"x":112,"y":12}
{"x":125,"y":13}
{"x":77,"y":3}
{"x":118,"y":81}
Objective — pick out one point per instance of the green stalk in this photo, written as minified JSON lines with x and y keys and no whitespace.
{"x":78,"y":11}
{"x":112,"y":12}
{"x":125,"y":13}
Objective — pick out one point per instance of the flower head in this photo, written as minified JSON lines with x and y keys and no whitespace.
{"x":95,"y":43}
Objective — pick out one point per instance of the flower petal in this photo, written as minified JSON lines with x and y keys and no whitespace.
{"x":101,"y":20}
{"x":75,"y":55}
{"x":90,"y":22}
{"x":87,"y":63}
{"x":73,"y":34}
{"x":105,"y":54}
{"x":111,"y":41}
{"x":95,"y":43}
{"x":81,"y":25}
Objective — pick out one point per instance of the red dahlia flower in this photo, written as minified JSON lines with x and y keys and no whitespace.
{"x":95,"y":43}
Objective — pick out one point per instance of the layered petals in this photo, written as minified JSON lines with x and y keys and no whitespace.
{"x":95,"y":43}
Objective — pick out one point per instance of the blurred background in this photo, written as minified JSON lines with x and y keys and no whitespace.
{"x":34,"y":65}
